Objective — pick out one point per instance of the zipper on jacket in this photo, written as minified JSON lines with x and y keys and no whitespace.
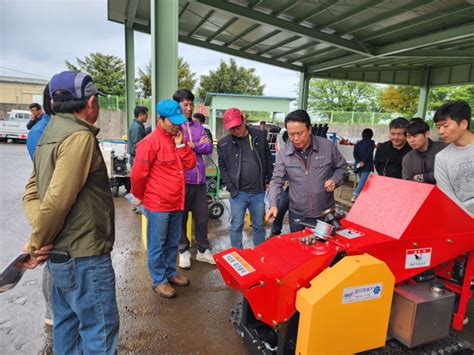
{"x":306,"y":168}
{"x":260,"y":162}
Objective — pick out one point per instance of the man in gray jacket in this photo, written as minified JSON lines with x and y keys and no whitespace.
{"x":314,"y":168}
{"x":418,"y":164}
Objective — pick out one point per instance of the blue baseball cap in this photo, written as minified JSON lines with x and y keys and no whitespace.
{"x":171,"y":110}
{"x":71,"y":85}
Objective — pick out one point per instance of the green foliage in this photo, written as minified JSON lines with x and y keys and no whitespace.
{"x":441,"y":95}
{"x":107,"y":71}
{"x":342,"y":95}
{"x":186,"y":78}
{"x":229,"y":78}
{"x":401,"y":99}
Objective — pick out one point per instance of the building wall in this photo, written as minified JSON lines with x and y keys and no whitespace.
{"x":20,"y":93}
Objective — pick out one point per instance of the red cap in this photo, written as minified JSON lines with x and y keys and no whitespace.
{"x":232,"y":118}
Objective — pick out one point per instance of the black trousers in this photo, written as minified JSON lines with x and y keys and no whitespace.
{"x":196,"y":202}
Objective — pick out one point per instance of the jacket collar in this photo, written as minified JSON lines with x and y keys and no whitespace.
{"x":313,"y":146}
{"x":95,"y":130}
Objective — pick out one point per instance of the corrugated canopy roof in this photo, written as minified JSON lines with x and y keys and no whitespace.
{"x":391,"y":41}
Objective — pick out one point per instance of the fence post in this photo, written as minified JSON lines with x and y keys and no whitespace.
{"x":352,"y":118}
{"x":117,"y":102}
{"x":331,"y":118}
{"x":373,"y":118}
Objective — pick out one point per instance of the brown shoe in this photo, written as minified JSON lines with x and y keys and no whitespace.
{"x":165,"y":290}
{"x":179,"y":280}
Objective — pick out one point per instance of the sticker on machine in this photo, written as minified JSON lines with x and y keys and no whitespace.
{"x":239,"y":264}
{"x":415,"y":258}
{"x":361,"y":293}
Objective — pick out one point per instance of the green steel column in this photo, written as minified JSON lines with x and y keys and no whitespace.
{"x":213,"y":123}
{"x":164,"y":56}
{"x":130,"y":99}
{"x":424,"y":94}
{"x":303,"y":90}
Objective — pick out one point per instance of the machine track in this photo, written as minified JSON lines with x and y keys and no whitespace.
{"x":451,"y":345}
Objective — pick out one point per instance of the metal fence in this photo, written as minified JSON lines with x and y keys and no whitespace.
{"x":117,"y":103}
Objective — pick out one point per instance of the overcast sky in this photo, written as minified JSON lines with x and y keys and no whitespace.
{"x":37,"y":36}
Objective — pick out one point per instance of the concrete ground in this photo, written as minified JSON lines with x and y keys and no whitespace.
{"x":196,"y":322}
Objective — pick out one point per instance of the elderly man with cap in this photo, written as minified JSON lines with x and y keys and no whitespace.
{"x":69,"y":204}
{"x":246,"y":168}
{"x":158,"y":179}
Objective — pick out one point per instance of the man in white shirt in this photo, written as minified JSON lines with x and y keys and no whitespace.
{"x":454,"y":166}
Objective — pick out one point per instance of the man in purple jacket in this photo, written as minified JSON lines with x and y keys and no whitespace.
{"x":196,"y":194}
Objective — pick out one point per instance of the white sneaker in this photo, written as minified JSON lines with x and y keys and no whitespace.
{"x":205,"y":257}
{"x":185,"y":260}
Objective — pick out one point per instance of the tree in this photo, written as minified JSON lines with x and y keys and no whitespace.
{"x":107,"y":71}
{"x":441,"y":95}
{"x":339,"y":95}
{"x":401,"y":99}
{"x":230,"y":79}
{"x":186,"y":78}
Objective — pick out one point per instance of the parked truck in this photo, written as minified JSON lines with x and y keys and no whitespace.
{"x":14,"y":126}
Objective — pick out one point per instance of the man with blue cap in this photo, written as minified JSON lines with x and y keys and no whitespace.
{"x":158,"y":179}
{"x":70,"y":207}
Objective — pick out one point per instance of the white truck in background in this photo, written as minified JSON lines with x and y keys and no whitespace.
{"x":14,"y":127}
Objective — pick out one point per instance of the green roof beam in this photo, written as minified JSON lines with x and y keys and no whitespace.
{"x":242,"y":34}
{"x":278,"y":45}
{"x":181,"y":12}
{"x":451,"y":34}
{"x":352,"y":46}
{"x":338,"y":62}
{"x":455,"y":10}
{"x":260,"y":40}
{"x":199,"y":25}
{"x":284,"y":9}
{"x":433,"y":53}
{"x":397,"y":11}
{"x":295,"y":50}
{"x":222,"y":28}
{"x":352,"y":13}
{"x":238,"y":53}
{"x":318,"y":10}
{"x":131,"y":12}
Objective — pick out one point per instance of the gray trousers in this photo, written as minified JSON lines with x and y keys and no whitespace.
{"x":196,"y":202}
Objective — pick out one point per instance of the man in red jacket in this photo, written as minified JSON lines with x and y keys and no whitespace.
{"x":158,"y":179}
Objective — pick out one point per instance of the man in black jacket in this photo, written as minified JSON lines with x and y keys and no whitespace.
{"x":418,"y":164}
{"x":389,"y":155}
{"x":246,"y":168}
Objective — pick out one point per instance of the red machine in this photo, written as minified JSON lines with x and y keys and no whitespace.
{"x":415,"y":229}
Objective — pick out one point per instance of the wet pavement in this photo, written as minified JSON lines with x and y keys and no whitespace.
{"x":195,"y":322}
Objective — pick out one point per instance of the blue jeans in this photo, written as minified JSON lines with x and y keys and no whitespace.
{"x":363,"y":175}
{"x":283,"y":207}
{"x":86,"y":318}
{"x":238,"y":206}
{"x":162,"y":234}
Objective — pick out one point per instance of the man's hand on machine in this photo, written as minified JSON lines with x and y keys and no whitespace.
{"x":271,"y":214}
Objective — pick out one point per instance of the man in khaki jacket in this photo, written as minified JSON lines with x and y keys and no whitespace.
{"x":70,"y":207}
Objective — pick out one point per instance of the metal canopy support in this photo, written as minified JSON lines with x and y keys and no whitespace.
{"x":164,"y":55}
{"x":424,"y":94}
{"x":303,"y":90}
{"x":130,"y":99}
{"x":259,"y":17}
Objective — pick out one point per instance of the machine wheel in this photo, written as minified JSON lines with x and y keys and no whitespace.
{"x":216,"y":210}
{"x":211,"y":185}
